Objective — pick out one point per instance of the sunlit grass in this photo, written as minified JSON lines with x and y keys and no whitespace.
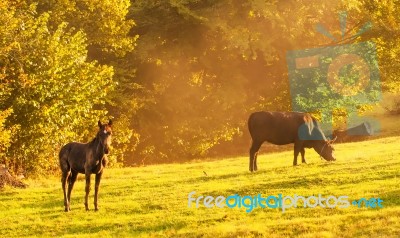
{"x":152,"y":201}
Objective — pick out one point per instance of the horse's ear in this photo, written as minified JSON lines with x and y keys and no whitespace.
{"x":110,"y":122}
{"x":331,"y":141}
{"x":99,"y":123}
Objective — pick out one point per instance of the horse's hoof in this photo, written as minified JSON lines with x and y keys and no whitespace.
{"x":96,"y":209}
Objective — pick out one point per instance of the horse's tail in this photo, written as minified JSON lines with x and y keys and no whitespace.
{"x":63,"y":157}
{"x":250,"y":125}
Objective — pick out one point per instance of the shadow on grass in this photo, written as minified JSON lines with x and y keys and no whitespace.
{"x":305,"y":182}
{"x":330,"y":174}
{"x":235,"y":175}
{"x":116,"y":228}
{"x":391,"y":199}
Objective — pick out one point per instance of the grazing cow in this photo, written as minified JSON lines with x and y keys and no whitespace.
{"x":89,"y":158}
{"x":281,"y":128}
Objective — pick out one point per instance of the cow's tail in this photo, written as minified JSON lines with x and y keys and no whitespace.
{"x":63,"y":157}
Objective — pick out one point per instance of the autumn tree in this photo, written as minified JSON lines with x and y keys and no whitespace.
{"x":55,"y":93}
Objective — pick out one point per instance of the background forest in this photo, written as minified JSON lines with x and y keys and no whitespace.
{"x":178,"y":77}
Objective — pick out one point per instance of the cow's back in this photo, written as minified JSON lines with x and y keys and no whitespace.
{"x":278,"y":128}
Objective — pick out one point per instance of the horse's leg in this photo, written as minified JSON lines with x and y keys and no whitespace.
{"x":303,"y":152}
{"x":64,"y":178}
{"x":255,"y":146}
{"x":255,"y":161}
{"x":71,"y":182}
{"x":96,"y":189}
{"x":297,"y":149}
{"x":87,"y":189}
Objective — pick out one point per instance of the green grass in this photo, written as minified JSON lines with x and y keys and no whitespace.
{"x":152,"y":201}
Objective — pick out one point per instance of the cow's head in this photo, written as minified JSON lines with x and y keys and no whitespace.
{"x":327,"y":151}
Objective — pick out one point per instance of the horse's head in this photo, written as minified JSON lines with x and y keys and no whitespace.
{"x":327,"y":151}
{"x":104,"y":135}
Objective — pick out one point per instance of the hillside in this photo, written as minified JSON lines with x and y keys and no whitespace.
{"x":153,"y":200}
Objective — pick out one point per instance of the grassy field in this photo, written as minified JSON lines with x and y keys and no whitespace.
{"x":152,"y":201}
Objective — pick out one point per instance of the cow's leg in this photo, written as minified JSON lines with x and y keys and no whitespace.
{"x":303,"y":152}
{"x":96,"y":190}
{"x":64,"y":179}
{"x":71,"y":182}
{"x":87,"y":190}
{"x":297,"y":148}
{"x":255,"y":146}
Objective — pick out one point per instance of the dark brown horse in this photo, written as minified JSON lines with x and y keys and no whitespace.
{"x":282,"y":128}
{"x":89,"y":158}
